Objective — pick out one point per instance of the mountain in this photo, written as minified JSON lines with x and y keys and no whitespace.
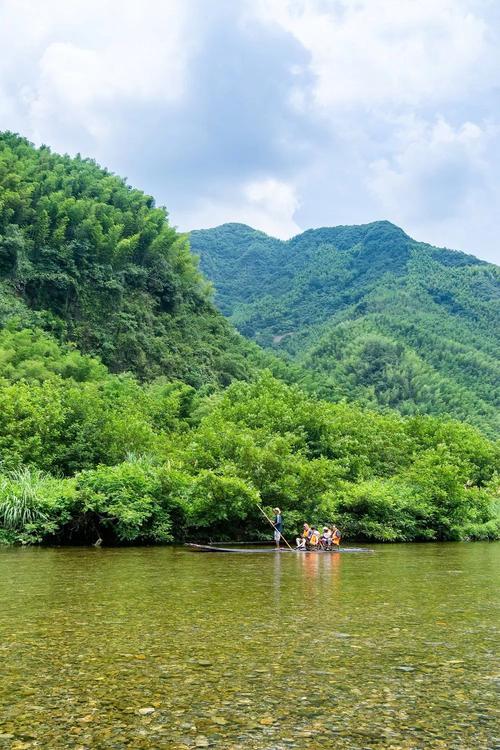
{"x":372,"y":314}
{"x":96,"y":263}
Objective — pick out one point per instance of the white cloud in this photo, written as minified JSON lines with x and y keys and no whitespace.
{"x":74,"y":62}
{"x":406,"y":90}
{"x":375,"y":52}
{"x":434,"y":168}
{"x":441,"y":183}
{"x":267,"y":204}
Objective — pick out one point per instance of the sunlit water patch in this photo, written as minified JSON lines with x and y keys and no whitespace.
{"x":166,"y":648}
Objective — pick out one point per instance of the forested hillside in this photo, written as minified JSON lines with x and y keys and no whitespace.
{"x":95,"y":262}
{"x":373,"y":315}
{"x":131,"y":411}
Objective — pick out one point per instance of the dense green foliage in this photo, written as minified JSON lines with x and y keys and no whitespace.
{"x":94,"y":261}
{"x":131,"y":411}
{"x":88,"y":454}
{"x":373,"y":315}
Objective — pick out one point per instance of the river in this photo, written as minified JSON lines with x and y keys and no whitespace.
{"x":166,"y":648}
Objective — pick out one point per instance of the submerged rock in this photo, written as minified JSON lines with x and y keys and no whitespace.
{"x":201,"y":741}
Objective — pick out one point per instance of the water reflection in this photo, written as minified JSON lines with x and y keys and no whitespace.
{"x":277,"y":581}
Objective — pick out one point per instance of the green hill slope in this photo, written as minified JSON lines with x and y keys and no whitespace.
{"x":372,"y":314}
{"x":95,"y":262}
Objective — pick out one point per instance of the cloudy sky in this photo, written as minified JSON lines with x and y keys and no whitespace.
{"x":283,"y":114}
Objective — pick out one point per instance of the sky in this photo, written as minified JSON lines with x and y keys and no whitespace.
{"x":281,"y":114}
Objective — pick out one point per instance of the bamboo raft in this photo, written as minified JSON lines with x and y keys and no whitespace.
{"x":212,"y":548}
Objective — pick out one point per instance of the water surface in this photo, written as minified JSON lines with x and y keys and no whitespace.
{"x":165,"y":648}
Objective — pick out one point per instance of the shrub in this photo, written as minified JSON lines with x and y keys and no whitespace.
{"x":33,"y":505}
{"x":124,"y":503}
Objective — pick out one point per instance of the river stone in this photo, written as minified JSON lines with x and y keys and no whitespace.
{"x":146,"y":711}
{"x":201,"y":741}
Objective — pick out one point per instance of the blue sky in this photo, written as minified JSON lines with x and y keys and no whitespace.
{"x":283,"y":114}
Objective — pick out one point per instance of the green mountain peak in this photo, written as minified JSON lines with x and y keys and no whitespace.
{"x":371,"y":313}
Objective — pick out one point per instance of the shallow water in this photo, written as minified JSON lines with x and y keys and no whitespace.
{"x":390,"y":650}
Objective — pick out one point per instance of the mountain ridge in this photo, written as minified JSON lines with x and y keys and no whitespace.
{"x":311,"y":231}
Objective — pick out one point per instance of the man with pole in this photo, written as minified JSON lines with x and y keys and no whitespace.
{"x":278,"y":518}
{"x":278,"y":526}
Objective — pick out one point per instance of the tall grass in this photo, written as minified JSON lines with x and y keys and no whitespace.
{"x":21,"y":494}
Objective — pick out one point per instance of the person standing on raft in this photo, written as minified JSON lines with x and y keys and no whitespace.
{"x":278,"y":526}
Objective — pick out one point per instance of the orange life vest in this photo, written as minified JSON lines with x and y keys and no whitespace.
{"x":314,"y":540}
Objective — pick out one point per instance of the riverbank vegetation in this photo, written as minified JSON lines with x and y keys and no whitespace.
{"x":87,"y":454}
{"x":132,"y":412}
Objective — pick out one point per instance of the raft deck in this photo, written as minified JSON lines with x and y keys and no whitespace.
{"x":211,"y":548}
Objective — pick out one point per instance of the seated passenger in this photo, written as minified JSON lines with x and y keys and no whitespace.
{"x":336,"y":536}
{"x":326,"y":538}
{"x":302,"y":540}
{"x":314,"y":538}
